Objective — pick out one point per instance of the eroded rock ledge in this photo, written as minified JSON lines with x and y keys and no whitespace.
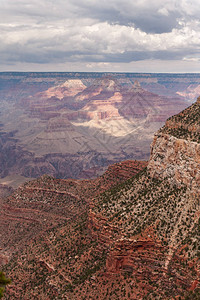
{"x":175,"y":159}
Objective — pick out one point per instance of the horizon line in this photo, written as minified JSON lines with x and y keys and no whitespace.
{"x":100,"y":72}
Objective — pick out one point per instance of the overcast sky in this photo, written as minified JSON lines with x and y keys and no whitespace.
{"x":103,"y":35}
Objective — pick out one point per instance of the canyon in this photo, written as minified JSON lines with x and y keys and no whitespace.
{"x":132,"y":233}
{"x":74,"y":125}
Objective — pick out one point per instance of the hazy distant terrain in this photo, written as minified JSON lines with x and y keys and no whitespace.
{"x":76,"y":124}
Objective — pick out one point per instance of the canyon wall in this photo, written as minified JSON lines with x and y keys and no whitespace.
{"x":175,"y":151}
{"x":175,"y":159}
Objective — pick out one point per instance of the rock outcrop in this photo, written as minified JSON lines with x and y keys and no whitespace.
{"x":178,"y":160}
{"x":126,"y":253}
{"x":175,"y":151}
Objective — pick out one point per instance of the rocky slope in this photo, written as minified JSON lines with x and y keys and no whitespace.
{"x":33,"y":207}
{"x":185,"y":124}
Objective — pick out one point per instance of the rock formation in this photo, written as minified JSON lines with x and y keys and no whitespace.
{"x":152,"y":223}
{"x":176,"y":149}
{"x":78,"y":125}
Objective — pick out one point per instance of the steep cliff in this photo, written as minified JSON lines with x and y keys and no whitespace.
{"x":175,"y":152}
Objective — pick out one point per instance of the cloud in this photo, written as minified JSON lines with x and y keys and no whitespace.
{"x":145,"y":15}
{"x":115,"y":31}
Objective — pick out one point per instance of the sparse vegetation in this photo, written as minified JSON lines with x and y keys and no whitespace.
{"x":185,"y":125}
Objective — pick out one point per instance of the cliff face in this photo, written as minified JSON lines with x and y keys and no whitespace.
{"x":178,"y":160}
{"x":125,"y":256}
{"x":175,"y":151}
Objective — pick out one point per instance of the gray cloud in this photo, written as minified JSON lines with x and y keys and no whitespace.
{"x":46,"y":31}
{"x":145,"y":15}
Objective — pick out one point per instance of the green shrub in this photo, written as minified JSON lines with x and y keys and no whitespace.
{"x":3,"y":282}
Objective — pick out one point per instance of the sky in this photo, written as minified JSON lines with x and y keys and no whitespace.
{"x":100,"y":36}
